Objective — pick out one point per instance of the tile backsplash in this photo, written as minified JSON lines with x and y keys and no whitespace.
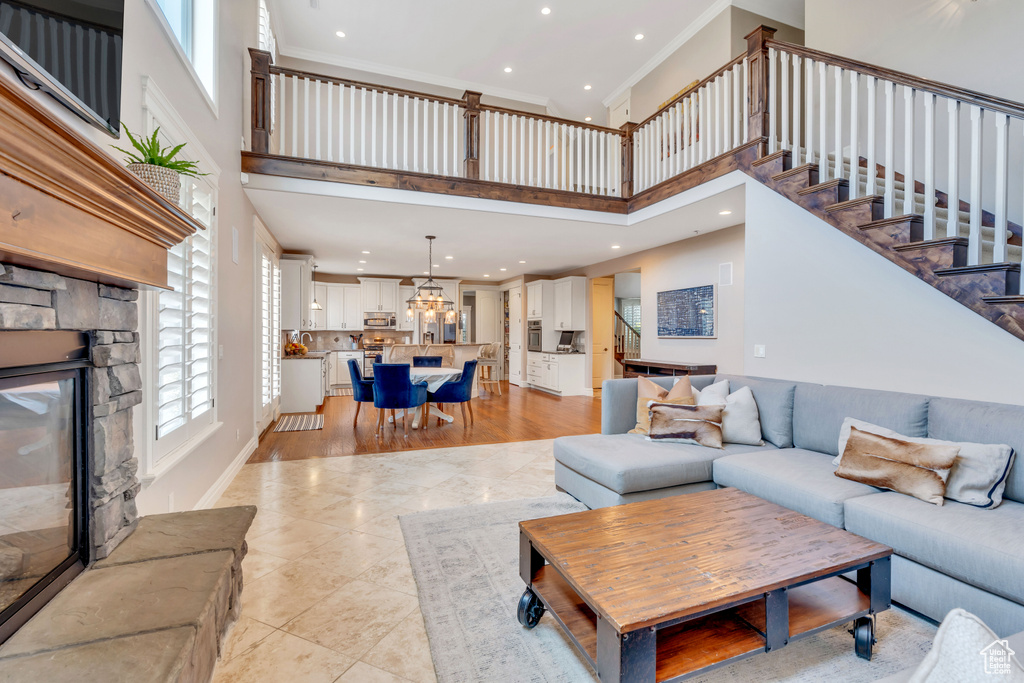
{"x":328,"y":340}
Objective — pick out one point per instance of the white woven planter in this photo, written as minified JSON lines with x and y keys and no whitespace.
{"x":164,"y":180}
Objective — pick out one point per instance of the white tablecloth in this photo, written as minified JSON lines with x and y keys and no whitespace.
{"x":434,"y":377}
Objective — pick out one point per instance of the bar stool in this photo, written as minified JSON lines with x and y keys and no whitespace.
{"x":488,"y":362}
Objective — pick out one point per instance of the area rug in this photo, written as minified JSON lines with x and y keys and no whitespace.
{"x":466,"y":564}
{"x":346,"y":391}
{"x":300,"y":422}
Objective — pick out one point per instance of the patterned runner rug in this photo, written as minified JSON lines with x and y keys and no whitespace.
{"x":466,"y":564}
{"x":300,"y":422}
{"x":344,"y":391}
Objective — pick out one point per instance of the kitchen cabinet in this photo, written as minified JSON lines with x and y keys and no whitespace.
{"x":556,"y":372}
{"x":535,"y":301}
{"x":339,"y":372}
{"x":570,"y":303}
{"x":296,"y":292}
{"x":344,"y":309}
{"x":303,"y":383}
{"x":379,"y":295}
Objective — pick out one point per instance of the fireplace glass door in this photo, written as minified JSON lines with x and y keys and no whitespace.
{"x":39,"y":493}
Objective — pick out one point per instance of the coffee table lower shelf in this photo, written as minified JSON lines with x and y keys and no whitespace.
{"x":714,"y":640}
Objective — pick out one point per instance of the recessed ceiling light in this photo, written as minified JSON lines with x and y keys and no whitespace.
{"x":503,"y":269}
{"x":362,"y":261}
{"x":486,"y":275}
{"x":340,"y":34}
{"x":522,"y":261}
{"x":508,"y":69}
{"x":359,"y":269}
{"x":726,"y":212}
{"x":425,"y":272}
{"x":638,"y":36}
{"x":616,"y":246}
{"x":449,"y":258}
{"x":365,"y":252}
{"x":588,"y":118}
{"x":437,"y":265}
{"x":545,"y":10}
{"x":587,"y":86}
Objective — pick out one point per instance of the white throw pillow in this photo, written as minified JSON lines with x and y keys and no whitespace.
{"x":978,"y":476}
{"x":713,"y":394}
{"x":965,"y":649}
{"x":741,"y":422}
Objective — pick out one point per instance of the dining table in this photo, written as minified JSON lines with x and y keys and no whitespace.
{"x":434,"y":378}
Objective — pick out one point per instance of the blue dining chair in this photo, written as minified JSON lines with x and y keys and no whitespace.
{"x":426,"y":361}
{"x":393,"y":389}
{"x":362,"y":389}
{"x":460,"y":391}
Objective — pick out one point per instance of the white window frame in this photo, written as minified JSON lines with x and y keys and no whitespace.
{"x":265,"y":243}
{"x":209,"y":28}
{"x":158,"y":456}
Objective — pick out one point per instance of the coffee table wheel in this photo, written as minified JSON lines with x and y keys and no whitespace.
{"x":531,"y":609}
{"x":864,"y":637}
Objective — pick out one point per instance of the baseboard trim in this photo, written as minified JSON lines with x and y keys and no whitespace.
{"x":225,"y":479}
{"x":588,"y":392}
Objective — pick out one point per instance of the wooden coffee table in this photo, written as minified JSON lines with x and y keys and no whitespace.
{"x":664,"y":589}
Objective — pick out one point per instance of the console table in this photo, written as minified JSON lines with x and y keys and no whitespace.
{"x":654,"y":368}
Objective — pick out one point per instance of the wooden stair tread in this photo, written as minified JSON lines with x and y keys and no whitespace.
{"x":894,"y":220}
{"x":980,"y":268}
{"x":825,"y":185}
{"x":796,"y":170}
{"x":768,"y":158}
{"x":1008,"y":299}
{"x":850,"y":203}
{"x":924,"y":244}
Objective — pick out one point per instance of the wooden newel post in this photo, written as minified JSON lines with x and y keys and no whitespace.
{"x":472,"y":163}
{"x":757,"y":56}
{"x":261,"y":104}
{"x":627,"y":159}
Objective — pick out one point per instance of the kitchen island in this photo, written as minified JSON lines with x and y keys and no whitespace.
{"x":403,"y":353}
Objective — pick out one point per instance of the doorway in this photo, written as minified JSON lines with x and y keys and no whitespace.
{"x":602,"y":339}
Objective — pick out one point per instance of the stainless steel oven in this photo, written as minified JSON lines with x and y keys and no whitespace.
{"x":533,"y":336}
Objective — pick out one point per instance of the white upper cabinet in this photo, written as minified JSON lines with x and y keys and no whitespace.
{"x":379,"y":296}
{"x":344,"y":307}
{"x":296,"y":293}
{"x":535,"y":301}
{"x":570,"y":303}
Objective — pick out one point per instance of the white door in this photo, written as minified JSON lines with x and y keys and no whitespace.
{"x":515,"y":336}
{"x":488,"y":317}
{"x":602,"y":337}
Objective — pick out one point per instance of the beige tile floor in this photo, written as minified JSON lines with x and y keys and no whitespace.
{"x":329,"y":593}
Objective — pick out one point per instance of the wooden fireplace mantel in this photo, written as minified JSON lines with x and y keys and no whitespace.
{"x":68,"y":207}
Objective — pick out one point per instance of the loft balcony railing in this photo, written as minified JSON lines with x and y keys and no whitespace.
{"x":927,"y":148}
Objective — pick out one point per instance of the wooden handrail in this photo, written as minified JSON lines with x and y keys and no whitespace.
{"x":553,"y":119}
{"x":360,"y":84}
{"x":989,"y":102}
{"x":696,"y":86}
{"x":631,"y":328}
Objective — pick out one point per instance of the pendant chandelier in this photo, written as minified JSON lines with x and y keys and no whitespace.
{"x":429,"y":297}
{"x":316,"y":305}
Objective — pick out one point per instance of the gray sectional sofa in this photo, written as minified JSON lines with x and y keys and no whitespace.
{"x":951,"y":556}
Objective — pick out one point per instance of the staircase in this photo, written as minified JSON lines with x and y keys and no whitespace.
{"x":989,"y":288}
{"x":627,"y":340}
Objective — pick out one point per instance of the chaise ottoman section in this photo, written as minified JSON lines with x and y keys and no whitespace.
{"x":800,"y":480}
{"x":978,"y":547}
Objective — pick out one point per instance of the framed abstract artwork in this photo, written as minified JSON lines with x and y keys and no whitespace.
{"x":688,"y":313}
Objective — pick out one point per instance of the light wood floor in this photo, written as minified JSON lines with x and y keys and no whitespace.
{"x":517,"y":415}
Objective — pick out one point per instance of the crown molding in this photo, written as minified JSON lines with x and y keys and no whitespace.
{"x":410,"y":74}
{"x":664,"y":53}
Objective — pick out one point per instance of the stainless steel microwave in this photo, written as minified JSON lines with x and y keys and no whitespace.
{"x":379,"y":322}
{"x":533,"y":336}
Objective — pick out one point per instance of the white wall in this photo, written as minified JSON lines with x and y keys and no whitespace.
{"x":830,"y":310}
{"x":627,"y":285}
{"x":148,"y":51}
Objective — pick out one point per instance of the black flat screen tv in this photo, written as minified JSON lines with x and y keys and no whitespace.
{"x":72,"y":50}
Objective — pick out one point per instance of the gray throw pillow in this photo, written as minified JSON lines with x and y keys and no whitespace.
{"x":978,"y":476}
{"x":965,"y":649}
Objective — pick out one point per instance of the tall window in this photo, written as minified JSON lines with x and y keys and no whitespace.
{"x":270,"y":336}
{"x":631,"y":312}
{"x":185,"y":377}
{"x":193,"y":23}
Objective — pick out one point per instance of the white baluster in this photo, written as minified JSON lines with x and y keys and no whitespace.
{"x":953,"y":181}
{"x":282,"y":123}
{"x":373,"y":128}
{"x":823,"y":122}
{"x":726,"y":111}
{"x":890,"y":150}
{"x":716,"y":102}
{"x":586,"y":162}
{"x":797,"y":107}
{"x":384,"y":129}
{"x":784,"y":96}
{"x":444,"y":140}
{"x":602,"y":176}
{"x":974,"y":239}
{"x":837,"y":171}
{"x":811,"y":127}
{"x":416,"y":134}
{"x":660,"y":151}
{"x":872,"y":186}
{"x":405,"y":132}
{"x":330,"y":121}
{"x":705,"y":124}
{"x":546,"y":155}
{"x":437,"y":112}
{"x":529,"y":165}
{"x":854,"y":134}
{"x":305,"y":118}
{"x":295,"y":117}
{"x":504,"y":148}
{"x":684,"y":148}
{"x":908,"y":151}
{"x":738,"y":115}
{"x":677,"y":130}
{"x":515,"y":158}
{"x":929,"y":166}
{"x":426,"y":136}
{"x":493,"y":144}
{"x":574,"y":150}
{"x":636,"y":165}
{"x":746,"y":99}
{"x":652,"y":159}
{"x":394,"y":131}
{"x":1002,"y":168}
{"x":456,"y":116}
{"x":362,"y":127}
{"x":522,"y":149}
{"x":694,"y":149}
{"x":351,"y":156}
{"x":773,"y":107}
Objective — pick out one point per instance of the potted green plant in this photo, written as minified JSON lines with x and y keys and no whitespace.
{"x":158,"y":166}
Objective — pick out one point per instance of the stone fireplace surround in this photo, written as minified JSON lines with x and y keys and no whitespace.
{"x":159,"y":592}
